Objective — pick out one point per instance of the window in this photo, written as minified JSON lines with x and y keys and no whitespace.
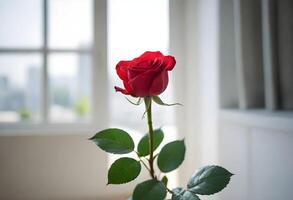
{"x":48,"y":76}
{"x":134,"y":27}
{"x":45,"y":61}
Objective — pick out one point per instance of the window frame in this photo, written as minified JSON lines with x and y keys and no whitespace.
{"x":98,"y":54}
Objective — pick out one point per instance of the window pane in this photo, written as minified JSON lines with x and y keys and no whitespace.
{"x":70,"y":23}
{"x":21,"y":23}
{"x":69,"y":82}
{"x":133,"y":30}
{"x":20,"y":87}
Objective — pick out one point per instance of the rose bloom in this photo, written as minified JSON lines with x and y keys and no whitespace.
{"x":146,"y":75}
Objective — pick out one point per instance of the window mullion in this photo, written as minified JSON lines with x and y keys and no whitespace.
{"x":269,"y":44}
{"x":45,"y":91}
{"x":248,"y":50}
{"x":99,"y":67}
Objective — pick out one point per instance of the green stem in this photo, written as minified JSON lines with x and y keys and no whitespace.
{"x":145,"y":165}
{"x":148,"y":106}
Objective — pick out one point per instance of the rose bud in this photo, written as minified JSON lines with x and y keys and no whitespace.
{"x":146,"y":75}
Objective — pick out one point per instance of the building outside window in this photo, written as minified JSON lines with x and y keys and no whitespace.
{"x":45,"y":61}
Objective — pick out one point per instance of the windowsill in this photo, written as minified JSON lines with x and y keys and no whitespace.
{"x":22,"y":129}
{"x":280,"y":120}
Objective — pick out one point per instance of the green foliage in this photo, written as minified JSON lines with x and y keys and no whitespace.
{"x":209,"y":180}
{"x":114,"y":140}
{"x":165,"y":180}
{"x":171,"y":156}
{"x":137,"y":103}
{"x":159,"y":101}
{"x":123,"y":170}
{"x":149,"y":190}
{"x":181,"y":194}
{"x":82,"y":106}
{"x":25,"y":114}
{"x":143,"y":145}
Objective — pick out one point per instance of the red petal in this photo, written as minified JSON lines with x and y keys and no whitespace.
{"x":169,"y":62}
{"x":159,"y":84}
{"x":133,"y":72}
{"x":127,"y":87}
{"x":141,"y":84}
{"x":149,"y":55}
{"x":121,"y":69}
{"x":118,"y":89}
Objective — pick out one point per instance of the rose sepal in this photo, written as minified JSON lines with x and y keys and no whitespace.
{"x":137,"y":103}
{"x":160,"y":102}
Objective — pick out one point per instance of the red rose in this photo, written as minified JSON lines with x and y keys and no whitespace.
{"x":146,"y":75}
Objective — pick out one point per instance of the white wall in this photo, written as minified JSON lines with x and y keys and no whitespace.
{"x":194,"y":43}
{"x":256,"y":144}
{"x":55,"y":167}
{"x":257,"y":148}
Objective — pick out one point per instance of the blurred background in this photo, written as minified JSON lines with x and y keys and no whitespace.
{"x":57,"y":72}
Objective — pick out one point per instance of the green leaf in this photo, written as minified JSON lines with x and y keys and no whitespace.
{"x":165,"y":180}
{"x":123,"y":170}
{"x":181,"y":194}
{"x":150,"y":190}
{"x":114,"y":140}
{"x":143,"y":145}
{"x":159,"y":101}
{"x":209,"y":180}
{"x":177,"y":193}
{"x":171,"y":156}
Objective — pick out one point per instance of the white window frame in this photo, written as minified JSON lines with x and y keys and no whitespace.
{"x":99,"y":101}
